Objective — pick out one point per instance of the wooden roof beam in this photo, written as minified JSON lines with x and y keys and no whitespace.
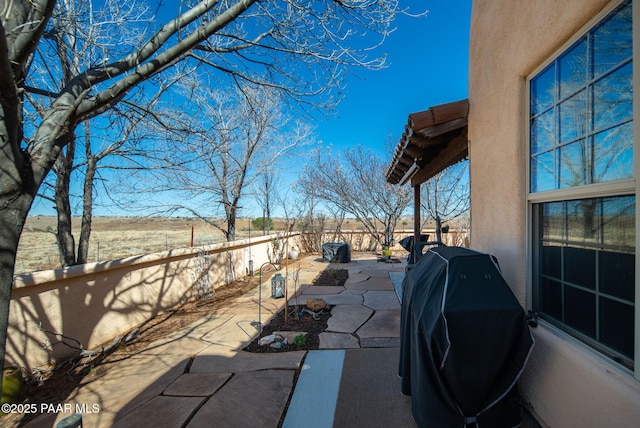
{"x":455,"y":151}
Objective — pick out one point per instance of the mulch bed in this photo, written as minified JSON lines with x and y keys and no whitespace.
{"x":300,"y":320}
{"x":331,"y":277}
{"x":303,"y":323}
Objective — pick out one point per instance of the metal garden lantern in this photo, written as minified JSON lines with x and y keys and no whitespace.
{"x":277,"y":286}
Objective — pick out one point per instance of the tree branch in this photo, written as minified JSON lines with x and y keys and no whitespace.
{"x":144,"y":70}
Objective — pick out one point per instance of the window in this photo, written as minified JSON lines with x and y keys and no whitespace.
{"x":581,"y":110}
{"x":583,"y":207}
{"x":586,"y":275}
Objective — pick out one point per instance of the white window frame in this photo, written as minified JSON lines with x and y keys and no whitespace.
{"x":621,"y":187}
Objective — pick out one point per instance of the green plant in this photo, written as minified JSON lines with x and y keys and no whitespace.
{"x":300,"y":340}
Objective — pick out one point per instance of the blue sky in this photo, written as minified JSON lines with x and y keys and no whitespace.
{"x":428,"y":59}
{"x":427,"y":66}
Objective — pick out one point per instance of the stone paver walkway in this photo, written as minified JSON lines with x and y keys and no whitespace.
{"x":200,"y":377}
{"x":367,"y":311}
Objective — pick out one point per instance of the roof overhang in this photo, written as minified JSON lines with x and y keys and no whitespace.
{"x":433,"y":140}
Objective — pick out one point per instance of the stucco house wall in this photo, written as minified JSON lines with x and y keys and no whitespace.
{"x":566,"y":383}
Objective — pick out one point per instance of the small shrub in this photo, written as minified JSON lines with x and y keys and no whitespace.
{"x":300,"y":340}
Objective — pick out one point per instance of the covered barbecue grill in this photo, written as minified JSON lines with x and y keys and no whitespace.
{"x":464,"y":341}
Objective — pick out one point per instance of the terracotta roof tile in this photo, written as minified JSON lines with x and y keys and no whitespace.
{"x":433,"y":139}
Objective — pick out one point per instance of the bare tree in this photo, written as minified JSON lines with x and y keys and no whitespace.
{"x":77,"y":35}
{"x":294,"y":206}
{"x":446,"y":196}
{"x":313,"y":227}
{"x":297,"y":47}
{"x":234,"y":141}
{"x":56,"y":62}
{"x":354,"y":183}
{"x":338,"y":215}
{"x":267,"y":192}
{"x":120,"y":137}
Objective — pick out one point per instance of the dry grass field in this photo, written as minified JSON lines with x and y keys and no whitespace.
{"x":116,"y":237}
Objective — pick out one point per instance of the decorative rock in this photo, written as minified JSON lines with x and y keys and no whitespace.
{"x":290,"y":336}
{"x":268,"y":340}
{"x":316,"y":304}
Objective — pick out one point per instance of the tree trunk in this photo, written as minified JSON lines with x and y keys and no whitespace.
{"x":438,"y":229}
{"x":12,"y":217}
{"x":268,"y":220}
{"x":231,"y":224}
{"x":389,"y":227}
{"x":22,"y":175}
{"x":64,"y":235}
{"x":87,"y":211}
{"x":264,"y":223}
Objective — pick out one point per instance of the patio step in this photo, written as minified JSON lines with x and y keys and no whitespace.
{"x":314,"y":400}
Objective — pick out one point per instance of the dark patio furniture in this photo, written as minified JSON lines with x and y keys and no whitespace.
{"x":336,"y":252}
{"x":407,"y":244}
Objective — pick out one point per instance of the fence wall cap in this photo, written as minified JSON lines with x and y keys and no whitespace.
{"x":53,"y":275}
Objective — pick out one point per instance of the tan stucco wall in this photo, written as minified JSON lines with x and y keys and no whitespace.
{"x":509,"y":39}
{"x":95,"y":302}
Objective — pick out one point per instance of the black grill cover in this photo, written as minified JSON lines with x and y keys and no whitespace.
{"x":464,"y":341}
{"x":336,"y":252}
